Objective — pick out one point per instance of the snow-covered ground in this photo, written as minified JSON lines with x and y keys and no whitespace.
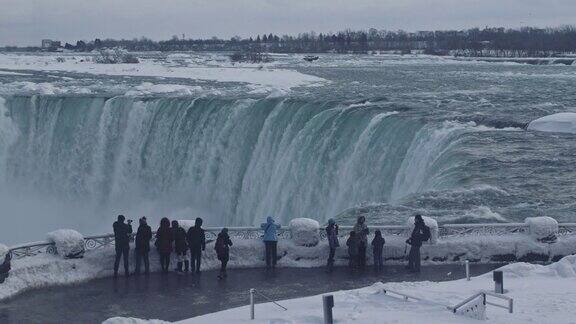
{"x":185,"y":66}
{"x":542,"y":294}
{"x":45,"y":270}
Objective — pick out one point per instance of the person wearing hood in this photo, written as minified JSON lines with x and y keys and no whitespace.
{"x":361,"y":231}
{"x":122,"y":232}
{"x":180,"y":246}
{"x":377,"y":249}
{"x":197,"y":243}
{"x":332,"y":236}
{"x":420,"y":234}
{"x":222,"y":247}
{"x":143,"y":237}
{"x":270,"y":239}
{"x":163,"y":243}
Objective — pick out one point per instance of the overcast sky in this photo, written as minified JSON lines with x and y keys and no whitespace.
{"x":26,"y":22}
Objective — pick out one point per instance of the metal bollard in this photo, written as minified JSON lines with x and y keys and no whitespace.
{"x":328,"y":303}
{"x":252,"y":303}
{"x":467,"y":264}
{"x":498,"y":282}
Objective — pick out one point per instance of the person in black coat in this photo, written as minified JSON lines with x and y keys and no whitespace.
{"x":352,"y":244}
{"x":5,"y":267}
{"x":180,"y":246}
{"x":416,"y":238}
{"x":163,"y":243}
{"x":143,"y":237}
{"x":197,"y":244}
{"x":222,"y":247}
{"x":377,"y":249}
{"x":333,"y":243}
{"x":122,"y":232}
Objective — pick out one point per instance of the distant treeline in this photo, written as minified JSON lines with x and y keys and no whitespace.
{"x":493,"y":42}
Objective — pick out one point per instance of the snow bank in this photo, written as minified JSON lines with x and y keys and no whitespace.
{"x":305,"y":231}
{"x":3,"y":251}
{"x":148,"y":88}
{"x":565,"y":268}
{"x":430,"y":222}
{"x":277,"y":78}
{"x":542,"y":294}
{"x":542,"y":227}
{"x":130,"y":320}
{"x":45,"y":269}
{"x":556,"y":123}
{"x":69,"y":243}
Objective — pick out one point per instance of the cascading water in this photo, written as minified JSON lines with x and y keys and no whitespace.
{"x":230,"y":161}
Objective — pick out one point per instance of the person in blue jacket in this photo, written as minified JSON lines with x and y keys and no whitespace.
{"x":270,"y":239}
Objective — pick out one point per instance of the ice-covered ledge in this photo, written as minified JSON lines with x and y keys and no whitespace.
{"x":38,"y":264}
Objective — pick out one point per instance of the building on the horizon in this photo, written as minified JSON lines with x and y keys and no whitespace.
{"x":48,"y":44}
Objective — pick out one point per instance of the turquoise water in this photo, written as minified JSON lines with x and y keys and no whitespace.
{"x":385,"y":137}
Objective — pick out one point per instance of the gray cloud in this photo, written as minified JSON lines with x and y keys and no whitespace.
{"x":25,"y":22}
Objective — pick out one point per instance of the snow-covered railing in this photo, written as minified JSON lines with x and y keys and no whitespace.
{"x":509,"y":301}
{"x":459,"y":308}
{"x":31,"y":249}
{"x":98,"y":241}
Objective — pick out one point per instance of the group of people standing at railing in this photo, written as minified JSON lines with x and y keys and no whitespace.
{"x":172,"y":238}
{"x":357,"y":244}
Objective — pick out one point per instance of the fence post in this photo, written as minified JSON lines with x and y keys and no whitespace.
{"x":467,"y":264}
{"x":328,"y":303}
{"x":498,"y":282}
{"x":252,"y":303}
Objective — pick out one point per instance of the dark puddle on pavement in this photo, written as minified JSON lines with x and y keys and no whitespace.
{"x":174,"y":297}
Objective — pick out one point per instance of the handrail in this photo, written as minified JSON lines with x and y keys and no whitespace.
{"x":253,"y":232}
{"x":454,"y":309}
{"x":509,"y":307}
{"x":407,"y":297}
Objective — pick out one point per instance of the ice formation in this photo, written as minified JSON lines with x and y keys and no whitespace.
{"x":542,"y":227}
{"x":555,"y":123}
{"x":69,"y":243}
{"x":305,"y":231}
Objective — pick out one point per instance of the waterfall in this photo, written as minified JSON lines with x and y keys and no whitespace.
{"x":231,"y":161}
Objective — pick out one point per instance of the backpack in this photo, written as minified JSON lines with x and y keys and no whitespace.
{"x":426,"y":233}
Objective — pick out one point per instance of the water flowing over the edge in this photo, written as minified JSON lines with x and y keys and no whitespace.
{"x":231,"y":161}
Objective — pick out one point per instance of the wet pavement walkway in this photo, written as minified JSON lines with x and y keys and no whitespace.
{"x":174,"y":297}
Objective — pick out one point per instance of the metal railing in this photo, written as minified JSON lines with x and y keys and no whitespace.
{"x":455,"y":308}
{"x":407,"y":297}
{"x":509,"y":306}
{"x":446,"y":230}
